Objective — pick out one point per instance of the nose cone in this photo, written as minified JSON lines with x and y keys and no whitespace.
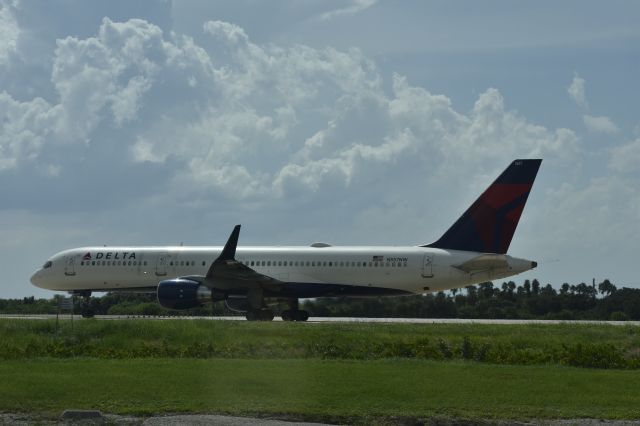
{"x":36,"y":278}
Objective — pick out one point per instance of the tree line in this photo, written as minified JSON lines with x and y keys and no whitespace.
{"x":530,"y":300}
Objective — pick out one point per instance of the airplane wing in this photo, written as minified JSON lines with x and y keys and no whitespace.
{"x":227,"y":273}
{"x":484,"y":262}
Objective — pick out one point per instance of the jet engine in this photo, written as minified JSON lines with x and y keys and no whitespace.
{"x":182,"y":293}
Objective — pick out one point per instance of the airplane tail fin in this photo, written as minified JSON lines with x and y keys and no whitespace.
{"x":488,"y":225}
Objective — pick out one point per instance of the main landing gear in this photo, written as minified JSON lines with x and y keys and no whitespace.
{"x":258,"y":311}
{"x":260,"y":315}
{"x":86,"y":310}
{"x":293,"y":313}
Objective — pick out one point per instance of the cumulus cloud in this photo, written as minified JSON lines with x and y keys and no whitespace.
{"x":253,"y":122}
{"x":600,"y":124}
{"x":9,"y":31}
{"x":577,"y":91}
{"x":100,"y":81}
{"x":625,"y":158}
{"x":24,"y":128}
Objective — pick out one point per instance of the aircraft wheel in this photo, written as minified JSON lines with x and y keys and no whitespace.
{"x":287,"y":315}
{"x":87,"y":313}
{"x":266,"y":315}
{"x":302,"y":316}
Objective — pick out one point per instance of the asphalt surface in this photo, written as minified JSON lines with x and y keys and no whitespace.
{"x":335,"y":319}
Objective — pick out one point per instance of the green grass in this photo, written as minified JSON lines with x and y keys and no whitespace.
{"x":328,"y":372}
{"x":319,"y":389}
{"x":595,"y":346}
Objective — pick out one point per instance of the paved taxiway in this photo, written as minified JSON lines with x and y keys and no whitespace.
{"x":334,"y":319}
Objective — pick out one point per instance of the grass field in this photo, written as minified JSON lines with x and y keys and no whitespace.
{"x":593,"y":346}
{"x":348,"y":372}
{"x":319,"y":389}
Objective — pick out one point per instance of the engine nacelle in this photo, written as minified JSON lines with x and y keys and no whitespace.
{"x":181,"y":293}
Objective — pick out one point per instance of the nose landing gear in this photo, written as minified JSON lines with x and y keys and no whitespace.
{"x":86,"y":310}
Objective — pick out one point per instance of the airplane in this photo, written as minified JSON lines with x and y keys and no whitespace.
{"x":247,"y":279}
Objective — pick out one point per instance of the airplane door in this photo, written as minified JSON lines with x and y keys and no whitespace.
{"x":427,"y":266}
{"x":70,"y":265}
{"x":161,"y":264}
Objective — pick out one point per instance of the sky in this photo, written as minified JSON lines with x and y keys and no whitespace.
{"x":356,"y":122}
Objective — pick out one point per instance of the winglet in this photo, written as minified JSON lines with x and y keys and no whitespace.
{"x":229,"y":250}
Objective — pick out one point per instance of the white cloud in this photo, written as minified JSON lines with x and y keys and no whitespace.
{"x":9,"y":31}
{"x":577,"y":92}
{"x":24,"y":129}
{"x":230,"y":32}
{"x":626,"y":158}
{"x":601,"y":210}
{"x":600,"y":124}
{"x":262,"y":122}
{"x":356,"y":6}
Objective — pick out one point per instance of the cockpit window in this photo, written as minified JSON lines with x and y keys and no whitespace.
{"x":47,"y":264}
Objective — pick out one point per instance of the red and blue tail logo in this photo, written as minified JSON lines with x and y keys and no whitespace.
{"x":489,"y":224}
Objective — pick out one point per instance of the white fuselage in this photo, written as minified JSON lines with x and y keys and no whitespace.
{"x":363,"y":270}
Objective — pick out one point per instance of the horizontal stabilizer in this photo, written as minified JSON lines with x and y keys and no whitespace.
{"x":484,"y":262}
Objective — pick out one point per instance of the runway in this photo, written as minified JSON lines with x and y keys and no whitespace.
{"x":317,"y":320}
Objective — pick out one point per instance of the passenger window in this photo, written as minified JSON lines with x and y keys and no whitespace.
{"x":203,"y":263}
